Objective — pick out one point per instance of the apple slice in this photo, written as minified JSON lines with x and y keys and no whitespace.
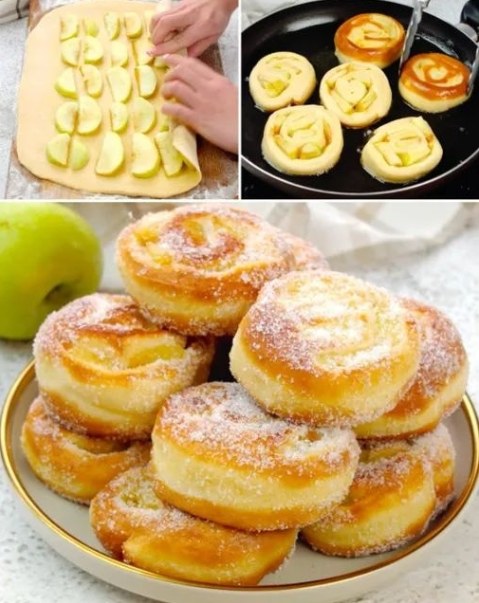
{"x":146,"y":159}
{"x":144,"y":115}
{"x":57,"y":149}
{"x":68,"y":27}
{"x":148,"y":16}
{"x":171,"y":158}
{"x":112,"y":25}
{"x":146,"y":79}
{"x":79,"y":155}
{"x":70,"y":51}
{"x":119,"y":81}
{"x":89,"y":115}
{"x":66,"y":117}
{"x":118,"y":116}
{"x":65,"y":84}
{"x":92,"y":80}
{"x":112,"y":155}
{"x":133,"y":25}
{"x":92,"y":50}
{"x":118,"y":53}
{"x":164,"y":122}
{"x":90,"y":26}
{"x":141,"y":48}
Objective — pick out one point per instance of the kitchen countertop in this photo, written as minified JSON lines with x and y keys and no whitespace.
{"x":447,"y":276}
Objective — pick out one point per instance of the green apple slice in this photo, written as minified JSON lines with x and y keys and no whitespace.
{"x":90,"y":26}
{"x":171,"y":158}
{"x":118,"y":53}
{"x":141,"y":48}
{"x":112,"y":25}
{"x":92,"y":80}
{"x":66,"y":117}
{"x":65,"y":84}
{"x":79,"y":155}
{"x":92,"y":50}
{"x":146,"y":79}
{"x":133,"y":25}
{"x":70,"y":51}
{"x":119,"y":81}
{"x":89,"y":115}
{"x":118,"y":116}
{"x":68,"y":27}
{"x":144,"y":115}
{"x":146,"y":159}
{"x":57,"y":149}
{"x":112,"y":155}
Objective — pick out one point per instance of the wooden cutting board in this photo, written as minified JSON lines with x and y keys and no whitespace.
{"x":220,"y":169}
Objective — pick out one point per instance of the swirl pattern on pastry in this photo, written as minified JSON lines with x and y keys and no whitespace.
{"x":434,"y":82}
{"x":104,"y":369}
{"x":325,"y":348}
{"x":305,"y":140}
{"x":438,"y":386}
{"x":74,"y":465}
{"x":401,"y":151}
{"x":197,"y":269}
{"x":281,"y":79}
{"x":134,"y":524}
{"x":358,"y":93}
{"x":391,"y":501}
{"x":370,"y":37}
{"x":218,"y":455}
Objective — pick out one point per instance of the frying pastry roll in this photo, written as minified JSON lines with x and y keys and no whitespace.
{"x":401,"y":151}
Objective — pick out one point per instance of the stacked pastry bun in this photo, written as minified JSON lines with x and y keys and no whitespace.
{"x":332,"y":430}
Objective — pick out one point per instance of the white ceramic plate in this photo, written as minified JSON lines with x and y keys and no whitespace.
{"x":308,"y":577}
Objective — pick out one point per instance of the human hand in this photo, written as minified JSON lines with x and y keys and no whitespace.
{"x":191,"y":24}
{"x":205,"y":100}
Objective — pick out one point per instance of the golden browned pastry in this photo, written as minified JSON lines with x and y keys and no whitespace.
{"x":74,"y":465}
{"x":134,"y":524}
{"x":281,"y":79}
{"x":197,"y":269}
{"x":434,"y":82}
{"x":325,"y":348}
{"x":302,"y":141}
{"x":401,"y":151}
{"x":358,"y":93}
{"x":370,"y":37}
{"x":438,"y":386}
{"x":391,"y":501}
{"x":218,"y":455}
{"x":104,"y":369}
{"x":306,"y":255}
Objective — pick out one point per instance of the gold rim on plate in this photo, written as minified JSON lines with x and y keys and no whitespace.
{"x":6,"y":449}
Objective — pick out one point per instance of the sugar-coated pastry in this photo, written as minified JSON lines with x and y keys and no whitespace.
{"x":358,"y":93}
{"x":401,"y":151}
{"x":74,"y":465}
{"x":438,"y":386}
{"x":218,"y":455}
{"x":135,"y":525}
{"x":306,"y":255}
{"x":281,"y":79}
{"x":197,"y":269}
{"x":370,"y":37}
{"x":104,"y":369}
{"x":434,"y":82}
{"x":304,"y":140}
{"x":325,"y":348}
{"x":391,"y":501}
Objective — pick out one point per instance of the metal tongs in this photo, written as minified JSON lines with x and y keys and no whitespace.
{"x":418,"y":8}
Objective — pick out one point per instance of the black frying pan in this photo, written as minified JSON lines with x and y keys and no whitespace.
{"x":308,"y":29}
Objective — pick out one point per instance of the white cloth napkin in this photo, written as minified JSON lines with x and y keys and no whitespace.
{"x":13,"y":9}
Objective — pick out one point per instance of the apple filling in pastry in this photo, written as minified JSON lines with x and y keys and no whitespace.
{"x":434,"y":82}
{"x":402,"y":150}
{"x":358,"y":93}
{"x":304,"y":140}
{"x":370,"y":37}
{"x":281,"y":79}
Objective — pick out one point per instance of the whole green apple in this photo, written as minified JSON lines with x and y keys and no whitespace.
{"x":49,"y":256}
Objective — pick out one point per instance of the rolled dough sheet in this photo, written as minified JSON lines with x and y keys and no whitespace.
{"x":38,"y":101}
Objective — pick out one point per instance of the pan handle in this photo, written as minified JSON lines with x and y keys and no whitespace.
{"x":470,"y":19}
